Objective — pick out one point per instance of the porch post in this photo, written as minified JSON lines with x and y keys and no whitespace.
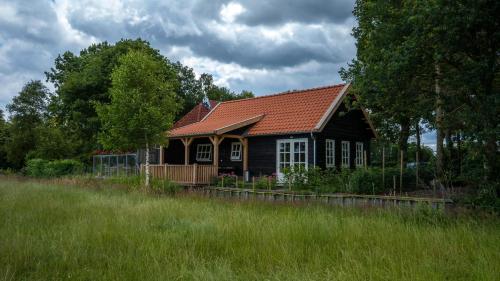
{"x":186,"y":142}
{"x":215,"y":141}
{"x":162,"y":159}
{"x":244,"y":141}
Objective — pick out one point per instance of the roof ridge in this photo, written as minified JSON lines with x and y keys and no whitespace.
{"x":287,"y":92}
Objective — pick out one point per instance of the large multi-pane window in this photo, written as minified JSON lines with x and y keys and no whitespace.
{"x":236,"y":151}
{"x":292,"y":154}
{"x":359,"y":154}
{"x":204,"y":152}
{"x":346,"y":154}
{"x":330,"y":153}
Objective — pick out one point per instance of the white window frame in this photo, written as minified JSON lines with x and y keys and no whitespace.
{"x":236,"y":148}
{"x":293,"y":161}
{"x":330,"y":153}
{"x":359,"y":154}
{"x":204,"y":152}
{"x":346,"y":154}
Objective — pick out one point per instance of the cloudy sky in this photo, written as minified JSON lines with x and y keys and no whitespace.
{"x":261,"y":46}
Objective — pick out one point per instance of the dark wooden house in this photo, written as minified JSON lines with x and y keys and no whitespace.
{"x":266,"y":134}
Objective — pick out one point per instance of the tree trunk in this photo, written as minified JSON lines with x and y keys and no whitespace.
{"x":417,"y":153}
{"x":492,"y":163}
{"x":450,"y":161}
{"x":404,"y":134}
{"x":147,"y":164}
{"x":439,"y":127}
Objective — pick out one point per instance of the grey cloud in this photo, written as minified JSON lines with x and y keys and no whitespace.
{"x":280,"y":11}
{"x":31,"y":37}
{"x":249,"y":50}
{"x":277,"y":12}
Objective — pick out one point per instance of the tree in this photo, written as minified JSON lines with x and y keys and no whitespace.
{"x":27,"y":111}
{"x":389,"y":75}
{"x":434,"y":62}
{"x":3,"y":139}
{"x":143,"y":104}
{"x":83,"y":80}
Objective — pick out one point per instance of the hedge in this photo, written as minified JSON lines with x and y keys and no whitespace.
{"x":56,"y":168}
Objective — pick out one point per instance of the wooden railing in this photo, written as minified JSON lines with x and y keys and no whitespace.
{"x":184,"y":174}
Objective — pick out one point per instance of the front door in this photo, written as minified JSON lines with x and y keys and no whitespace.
{"x":290,"y":153}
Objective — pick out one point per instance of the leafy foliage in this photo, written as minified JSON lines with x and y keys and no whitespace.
{"x":143,"y":103}
{"x":56,"y":168}
{"x":28,"y":110}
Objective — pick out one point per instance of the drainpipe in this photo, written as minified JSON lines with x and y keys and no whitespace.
{"x":314,"y":148}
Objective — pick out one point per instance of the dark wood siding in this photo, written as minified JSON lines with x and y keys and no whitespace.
{"x":262,"y":153}
{"x":226,"y":164}
{"x":344,"y":126}
{"x":174,"y":154}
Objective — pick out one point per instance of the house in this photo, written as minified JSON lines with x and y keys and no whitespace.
{"x":266,"y":134}
{"x":194,"y":115}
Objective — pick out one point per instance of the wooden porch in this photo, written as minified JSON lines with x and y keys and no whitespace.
{"x":216,"y":141}
{"x":184,"y":174}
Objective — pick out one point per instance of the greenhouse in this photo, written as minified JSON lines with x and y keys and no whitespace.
{"x":107,"y":165}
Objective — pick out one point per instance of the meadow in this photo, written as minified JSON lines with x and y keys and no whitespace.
{"x":60,"y":232}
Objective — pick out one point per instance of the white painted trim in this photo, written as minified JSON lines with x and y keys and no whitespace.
{"x":292,"y":153}
{"x":332,"y":108}
{"x":238,"y":124}
{"x":326,"y":152}
{"x":365,"y":113}
{"x":342,"y":154}
{"x":210,"y":155}
{"x":210,"y":112}
{"x":241,"y":149}
{"x":356,"y":154}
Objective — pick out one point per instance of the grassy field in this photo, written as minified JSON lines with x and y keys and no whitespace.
{"x":53,"y":232}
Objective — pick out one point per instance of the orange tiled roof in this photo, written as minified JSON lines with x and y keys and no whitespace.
{"x":289,"y":112}
{"x":195,"y":115}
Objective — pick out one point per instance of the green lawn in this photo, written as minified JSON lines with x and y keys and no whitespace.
{"x":50,"y":232}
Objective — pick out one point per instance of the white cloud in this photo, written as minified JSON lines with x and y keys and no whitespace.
{"x":230,"y":11}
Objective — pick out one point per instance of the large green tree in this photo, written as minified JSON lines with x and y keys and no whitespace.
{"x":84,"y":79}
{"x":28,"y":110}
{"x":143,"y":104}
{"x":3,"y":139}
{"x":464,"y":38}
{"x":390,"y":75}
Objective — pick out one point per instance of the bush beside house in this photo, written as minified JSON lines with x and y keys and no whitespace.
{"x":55,"y":168}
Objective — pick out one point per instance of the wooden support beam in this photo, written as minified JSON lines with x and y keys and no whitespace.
{"x":244,"y":141}
{"x":187,"y":142}
{"x":215,"y":143}
{"x":162,"y":158}
{"x":232,"y":136}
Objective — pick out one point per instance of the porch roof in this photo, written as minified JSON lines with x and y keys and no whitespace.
{"x":290,"y":112}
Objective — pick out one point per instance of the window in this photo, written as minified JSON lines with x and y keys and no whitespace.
{"x":204,"y":152}
{"x":291,"y":154}
{"x":346,"y":154}
{"x":359,"y":154}
{"x":236,"y":151}
{"x":330,"y":153}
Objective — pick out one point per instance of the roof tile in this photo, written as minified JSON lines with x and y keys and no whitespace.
{"x":289,"y":112}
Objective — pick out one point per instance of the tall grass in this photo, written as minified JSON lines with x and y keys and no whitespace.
{"x":54,"y":232}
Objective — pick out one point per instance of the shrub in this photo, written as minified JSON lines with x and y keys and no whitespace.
{"x":165,"y":186}
{"x":36,"y":167}
{"x":265,"y":182}
{"x":361,"y":181}
{"x":56,"y":168}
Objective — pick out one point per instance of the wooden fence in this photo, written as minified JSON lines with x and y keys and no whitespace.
{"x":330,"y":199}
{"x":183,"y":174}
